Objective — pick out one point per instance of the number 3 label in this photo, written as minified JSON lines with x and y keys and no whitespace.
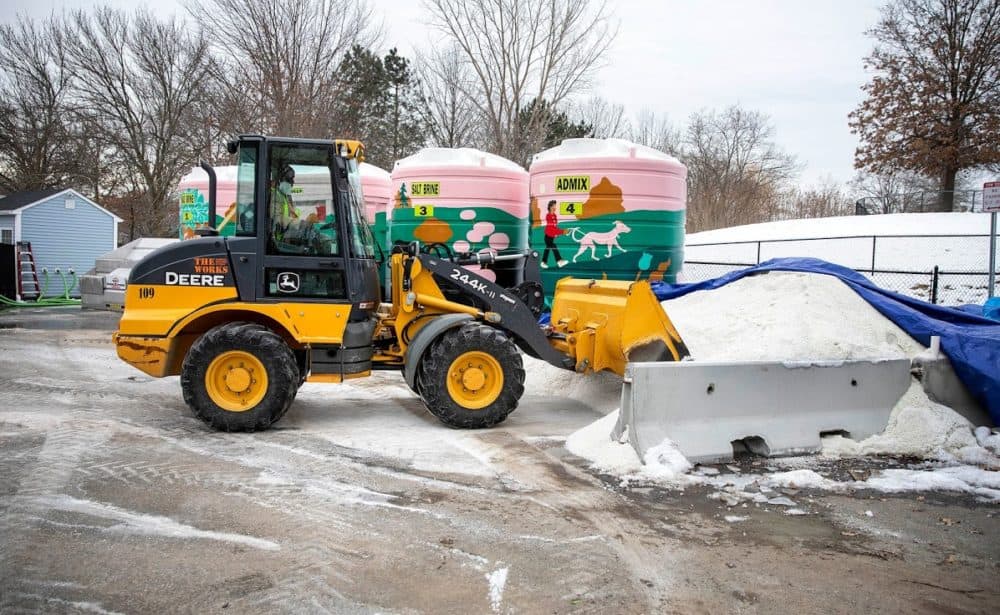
{"x":423,"y":211}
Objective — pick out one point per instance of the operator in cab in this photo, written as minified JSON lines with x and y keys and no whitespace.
{"x":284,"y":216}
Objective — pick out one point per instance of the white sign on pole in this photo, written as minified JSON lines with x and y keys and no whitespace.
{"x":991,"y":197}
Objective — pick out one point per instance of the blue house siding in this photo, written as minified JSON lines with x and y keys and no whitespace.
{"x":66,"y":238}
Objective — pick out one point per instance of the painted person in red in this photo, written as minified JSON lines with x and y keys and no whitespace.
{"x":552,"y":231}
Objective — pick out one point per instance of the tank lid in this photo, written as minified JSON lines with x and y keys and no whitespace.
{"x":601,"y":148}
{"x":370,"y":171}
{"x":456,"y":157}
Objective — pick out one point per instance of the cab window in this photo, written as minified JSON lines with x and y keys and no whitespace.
{"x":246,"y":188}
{"x":362,"y":237}
{"x":300,"y":203}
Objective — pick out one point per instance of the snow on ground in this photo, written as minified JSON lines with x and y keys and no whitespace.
{"x":954,"y":242}
{"x":798,"y":316}
{"x":840,"y":226}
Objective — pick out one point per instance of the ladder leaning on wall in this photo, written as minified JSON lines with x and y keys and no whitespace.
{"x":27,"y":273}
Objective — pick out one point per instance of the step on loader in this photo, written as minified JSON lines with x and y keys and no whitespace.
{"x":294,"y":297}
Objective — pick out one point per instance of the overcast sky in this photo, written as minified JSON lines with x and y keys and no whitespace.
{"x":799,"y":61}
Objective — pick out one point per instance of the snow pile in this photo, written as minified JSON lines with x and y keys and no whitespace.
{"x":663,"y":462}
{"x":963,"y":479}
{"x":798,"y":479}
{"x":599,"y":391}
{"x":605,"y":454}
{"x":792,"y":316}
{"x":988,"y":440}
{"x":920,"y":427}
{"x":786,"y":316}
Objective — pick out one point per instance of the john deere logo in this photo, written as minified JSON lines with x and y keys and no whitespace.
{"x":288,"y":282}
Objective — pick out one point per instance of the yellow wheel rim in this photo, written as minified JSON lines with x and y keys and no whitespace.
{"x":475,"y":380}
{"x":236,"y":381}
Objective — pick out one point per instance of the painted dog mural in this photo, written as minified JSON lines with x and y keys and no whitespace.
{"x":591,"y":240}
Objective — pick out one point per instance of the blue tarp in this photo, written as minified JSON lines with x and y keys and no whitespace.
{"x":971,"y":342}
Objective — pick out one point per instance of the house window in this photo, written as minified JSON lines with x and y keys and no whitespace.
{"x":7,"y":236}
{"x":70,"y":202}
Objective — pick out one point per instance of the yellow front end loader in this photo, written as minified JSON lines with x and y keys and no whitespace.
{"x":294,"y":297}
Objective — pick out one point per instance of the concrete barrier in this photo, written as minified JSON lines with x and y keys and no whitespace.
{"x":769,"y":407}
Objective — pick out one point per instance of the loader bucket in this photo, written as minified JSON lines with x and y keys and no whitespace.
{"x":606,"y":324}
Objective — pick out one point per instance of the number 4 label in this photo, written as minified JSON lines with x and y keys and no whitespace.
{"x":567,"y":208}
{"x":423,"y":211}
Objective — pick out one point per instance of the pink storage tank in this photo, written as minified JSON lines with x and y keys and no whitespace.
{"x":192,"y":195}
{"x":619,"y":211}
{"x":466,"y":199}
{"x":376,"y":184}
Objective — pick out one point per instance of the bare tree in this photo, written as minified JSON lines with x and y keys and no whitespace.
{"x":135,"y":81}
{"x":522,"y":51}
{"x":656,"y":131}
{"x":735,"y":170}
{"x":35,"y":124}
{"x":450,"y":116}
{"x":891,"y":192}
{"x":280,"y":58}
{"x":823,"y":200}
{"x":933,"y":104}
{"x":606,"y":119}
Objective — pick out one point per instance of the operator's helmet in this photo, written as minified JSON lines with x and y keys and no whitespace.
{"x":287,"y":174}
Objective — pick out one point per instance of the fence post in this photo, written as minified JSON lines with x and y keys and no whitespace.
{"x":874,"y":237}
{"x":758,"y":252}
{"x":934,"y":286}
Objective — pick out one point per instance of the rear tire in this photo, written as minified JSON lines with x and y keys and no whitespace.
{"x":239,"y":377}
{"x":471,"y":377}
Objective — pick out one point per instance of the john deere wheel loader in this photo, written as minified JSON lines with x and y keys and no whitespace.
{"x":294,"y":297}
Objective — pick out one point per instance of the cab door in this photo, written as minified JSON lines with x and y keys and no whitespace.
{"x":304,"y":255}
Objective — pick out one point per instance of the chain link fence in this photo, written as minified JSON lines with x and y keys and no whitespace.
{"x":942,"y":269}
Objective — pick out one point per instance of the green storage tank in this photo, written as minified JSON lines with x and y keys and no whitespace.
{"x":468,"y":200}
{"x":617,"y":211}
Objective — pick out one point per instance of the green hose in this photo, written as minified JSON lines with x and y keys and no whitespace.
{"x":42,"y":300}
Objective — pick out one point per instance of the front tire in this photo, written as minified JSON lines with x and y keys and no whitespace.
{"x":472,"y":377}
{"x":239,"y":377}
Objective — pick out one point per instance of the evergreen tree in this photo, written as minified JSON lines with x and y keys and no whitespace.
{"x":551,"y":127}
{"x":401,"y":132}
{"x":362,"y":100}
{"x":379,"y":106}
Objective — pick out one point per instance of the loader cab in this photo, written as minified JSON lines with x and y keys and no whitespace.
{"x":301,"y":234}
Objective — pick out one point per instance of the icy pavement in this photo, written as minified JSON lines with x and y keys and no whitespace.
{"x":113,"y":498}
